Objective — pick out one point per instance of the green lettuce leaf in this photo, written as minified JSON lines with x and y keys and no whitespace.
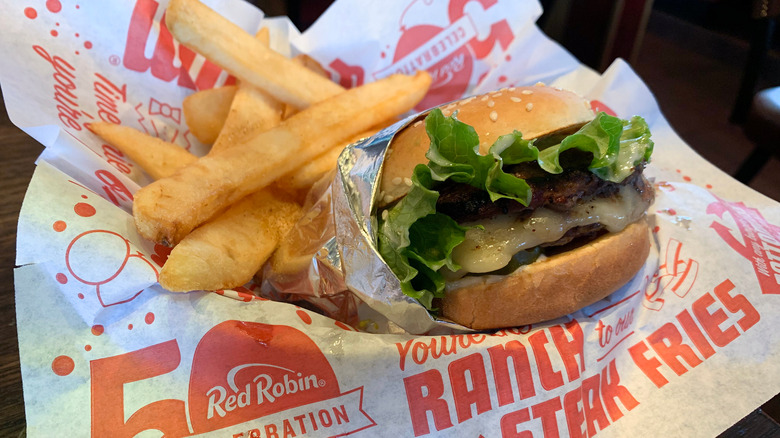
{"x":454,"y":154}
{"x":618,"y":146}
{"x":416,"y":241}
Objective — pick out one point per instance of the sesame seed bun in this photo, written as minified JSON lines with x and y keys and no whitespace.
{"x":552,"y":286}
{"x":534,"y":111}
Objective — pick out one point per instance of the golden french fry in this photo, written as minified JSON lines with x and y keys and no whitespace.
{"x":156,"y":157}
{"x":227,"y":45}
{"x":205,"y":111}
{"x":309,"y":234}
{"x":167,"y":210}
{"x":311,"y":172}
{"x":311,"y":64}
{"x":251,"y":112}
{"x":264,"y":36}
{"x":228,"y":251}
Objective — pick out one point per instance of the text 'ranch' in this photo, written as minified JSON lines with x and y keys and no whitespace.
{"x":438,"y":402}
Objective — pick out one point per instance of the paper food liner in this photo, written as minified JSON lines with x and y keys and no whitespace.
{"x":106,"y":352}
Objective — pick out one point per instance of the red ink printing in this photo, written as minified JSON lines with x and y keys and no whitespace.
{"x":343,"y":326}
{"x":62,"y":365}
{"x":84,"y":210}
{"x":305,"y":317}
{"x":53,"y":5}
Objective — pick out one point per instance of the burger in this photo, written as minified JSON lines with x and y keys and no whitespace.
{"x":514,"y":207}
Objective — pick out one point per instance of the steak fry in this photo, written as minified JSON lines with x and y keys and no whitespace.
{"x":168,"y":209}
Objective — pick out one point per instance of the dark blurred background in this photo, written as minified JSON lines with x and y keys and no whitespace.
{"x":703,"y":60}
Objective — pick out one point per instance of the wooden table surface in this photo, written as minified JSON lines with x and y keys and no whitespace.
{"x":17,"y":164}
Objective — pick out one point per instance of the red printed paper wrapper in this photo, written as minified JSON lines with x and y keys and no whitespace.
{"x":685,"y":349}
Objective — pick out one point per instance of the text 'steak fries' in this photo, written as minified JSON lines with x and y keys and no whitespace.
{"x":168,"y":209}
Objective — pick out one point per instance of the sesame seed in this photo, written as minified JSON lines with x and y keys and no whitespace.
{"x":388,"y":198}
{"x":491,"y":104}
{"x":484,"y":98}
{"x":465,"y":101}
{"x":493,"y":116}
{"x":408,"y":181}
{"x":385,"y":213}
{"x":497,"y":94}
{"x":397,"y":180}
{"x":529,"y":107}
{"x":515,"y":99}
{"x":527,"y":92}
{"x":417,"y":123}
{"x":511,"y":88}
{"x":539,"y":84}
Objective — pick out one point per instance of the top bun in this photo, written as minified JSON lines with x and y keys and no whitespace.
{"x":534,"y":111}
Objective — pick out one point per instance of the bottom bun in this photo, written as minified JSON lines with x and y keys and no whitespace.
{"x":550,"y":288}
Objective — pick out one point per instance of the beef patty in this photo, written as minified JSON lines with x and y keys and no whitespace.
{"x":561,"y":193}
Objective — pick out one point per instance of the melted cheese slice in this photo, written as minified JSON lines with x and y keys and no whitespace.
{"x":491,"y":248}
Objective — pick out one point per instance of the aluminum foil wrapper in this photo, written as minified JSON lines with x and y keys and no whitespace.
{"x":340,"y":268}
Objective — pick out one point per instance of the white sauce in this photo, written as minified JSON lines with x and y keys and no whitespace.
{"x":503,"y":236}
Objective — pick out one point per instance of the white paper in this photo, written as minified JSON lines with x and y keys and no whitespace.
{"x":106,"y":352}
